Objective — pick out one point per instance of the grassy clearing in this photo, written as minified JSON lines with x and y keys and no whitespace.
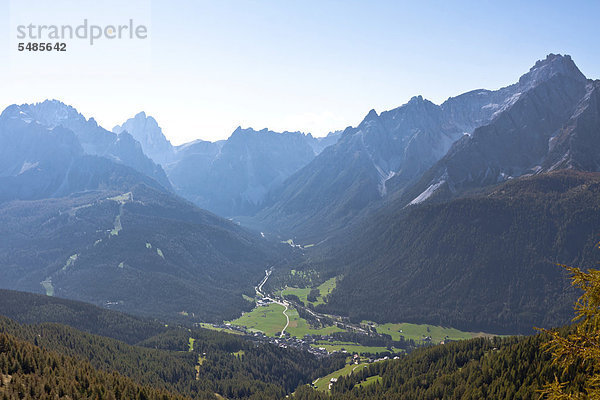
{"x":74,"y":210}
{"x":324,"y":289}
{"x":322,"y":384}
{"x":191,"y":344}
{"x":197,"y":367}
{"x":419,"y":332}
{"x":239,"y":354}
{"x":122,"y":198}
{"x":302,"y":293}
{"x":70,"y":262}
{"x":298,"y":327}
{"x":350,"y":347}
{"x":47,"y":285}
{"x":225,"y":330}
{"x":369,"y":381}
{"x":248,"y":298}
{"x":270,"y":320}
{"x":303,"y":274}
{"x":267,"y":319}
{"x":118,"y":227}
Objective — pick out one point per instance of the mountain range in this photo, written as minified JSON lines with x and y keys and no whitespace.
{"x":474,"y":240}
{"x":229,"y":177}
{"x":549,"y":124}
{"x":409,"y":151}
{"x":91,"y":138}
{"x":450,"y":214}
{"x":86,"y":215}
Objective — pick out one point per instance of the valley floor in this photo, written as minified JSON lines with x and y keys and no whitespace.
{"x":288,"y":323}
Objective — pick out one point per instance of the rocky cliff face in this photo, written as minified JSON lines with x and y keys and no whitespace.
{"x":577,"y":144}
{"x":94,"y":139}
{"x":146,"y":131}
{"x":550,"y":122}
{"x":384,"y":154}
{"x":229,"y":177}
{"x":232,"y":177}
{"x":38,"y":162}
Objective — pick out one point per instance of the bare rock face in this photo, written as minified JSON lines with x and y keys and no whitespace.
{"x":229,"y":177}
{"x":577,"y":145}
{"x":387,"y":153}
{"x":37,"y":161}
{"x":94,"y":139}
{"x":146,"y":131}
{"x":233,"y":177}
{"x":548,"y":123}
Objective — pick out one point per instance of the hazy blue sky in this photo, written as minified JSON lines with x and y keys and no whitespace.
{"x":314,"y":66}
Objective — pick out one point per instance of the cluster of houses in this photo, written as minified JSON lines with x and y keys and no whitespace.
{"x":290,"y":341}
{"x":285,"y":341}
{"x":264,"y":301}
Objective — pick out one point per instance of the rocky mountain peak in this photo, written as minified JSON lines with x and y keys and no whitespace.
{"x":371,"y":115}
{"x":50,"y":113}
{"x":552,"y":65}
{"x":146,"y":130}
{"x":416,"y":100}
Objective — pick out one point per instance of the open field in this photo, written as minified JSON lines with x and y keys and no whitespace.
{"x":212,"y":328}
{"x":350,"y":347}
{"x":239,"y":353}
{"x":268,"y":319}
{"x":47,"y":285}
{"x":419,"y":332}
{"x":323,"y":383}
{"x":302,"y":293}
{"x":369,"y":381}
{"x":324,"y":289}
{"x":248,"y":298}
{"x":299,"y":327}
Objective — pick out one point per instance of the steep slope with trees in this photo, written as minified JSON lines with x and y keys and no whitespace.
{"x":482,"y":262}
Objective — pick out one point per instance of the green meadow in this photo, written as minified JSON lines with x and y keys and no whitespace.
{"x":324,"y":289}
{"x":351,"y":347}
{"x":369,"y":381}
{"x":268,"y":319}
{"x":418,"y":332}
{"x":322,"y":384}
{"x":298,"y":327}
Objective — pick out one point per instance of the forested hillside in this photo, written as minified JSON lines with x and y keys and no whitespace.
{"x":482,"y":262}
{"x":143,"y":251}
{"x":191,"y":362}
{"x":475,"y":369}
{"x":30,"y":372}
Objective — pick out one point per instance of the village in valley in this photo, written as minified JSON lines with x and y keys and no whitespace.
{"x":288,"y":319}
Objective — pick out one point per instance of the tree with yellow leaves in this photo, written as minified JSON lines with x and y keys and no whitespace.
{"x":579,"y":350}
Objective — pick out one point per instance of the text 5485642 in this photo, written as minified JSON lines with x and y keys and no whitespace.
{"x":35,"y":46}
